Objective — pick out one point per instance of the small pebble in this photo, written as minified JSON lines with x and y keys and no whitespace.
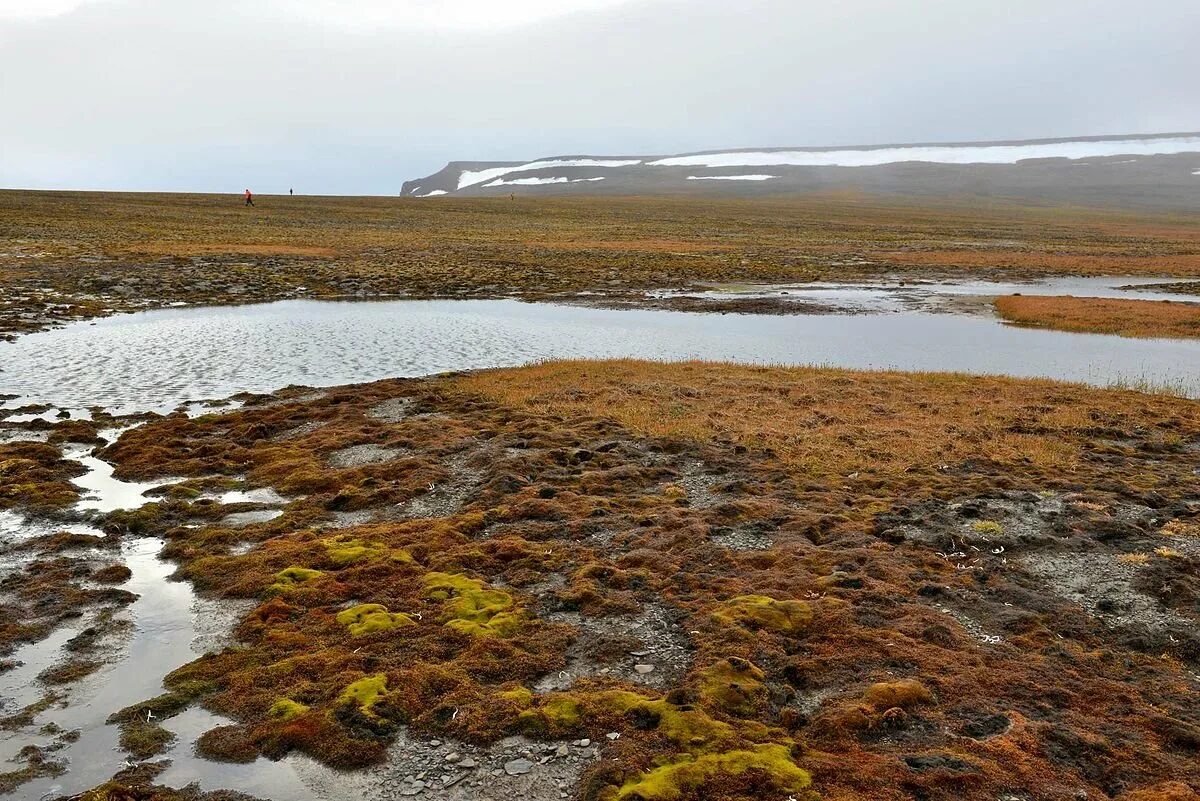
{"x":643,"y":668}
{"x":613,"y":735}
{"x":584,"y":743}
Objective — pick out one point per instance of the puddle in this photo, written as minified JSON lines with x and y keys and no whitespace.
{"x":261,"y":778}
{"x":157,"y":360}
{"x":259,"y":495}
{"x":103,"y":493}
{"x":161,"y":642}
{"x":903,"y":295}
{"x":18,"y":687}
{"x":15,"y":527}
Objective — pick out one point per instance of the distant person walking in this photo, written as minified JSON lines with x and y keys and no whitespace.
{"x":249,"y":198}
{"x":290,"y":193}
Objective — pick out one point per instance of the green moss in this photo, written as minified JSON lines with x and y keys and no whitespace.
{"x":142,"y":739}
{"x":443,"y":586}
{"x":347,"y":553}
{"x":557,"y":714}
{"x":471,"y":606}
{"x":764,"y":612}
{"x":371,"y":618}
{"x":521,"y":696}
{"x":734,"y":686}
{"x":365,"y":692}
{"x":290,"y":577}
{"x":673,"y":780}
{"x":286,"y":709}
{"x":691,"y":728}
{"x":988,"y":527}
{"x":343,"y":552}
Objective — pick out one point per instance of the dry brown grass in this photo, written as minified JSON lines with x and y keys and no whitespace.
{"x":162,"y":248}
{"x":1128,"y":318}
{"x":131,"y":250}
{"x":892,"y":432}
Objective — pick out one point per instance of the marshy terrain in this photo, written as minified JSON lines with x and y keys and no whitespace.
{"x":81,"y":255}
{"x":608,"y":579}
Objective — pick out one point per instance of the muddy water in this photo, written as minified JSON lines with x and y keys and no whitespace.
{"x":160,"y":359}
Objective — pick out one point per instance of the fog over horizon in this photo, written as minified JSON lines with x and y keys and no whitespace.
{"x":217,"y":95}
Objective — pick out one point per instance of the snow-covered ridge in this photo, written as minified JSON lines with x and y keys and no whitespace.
{"x":731,"y":177}
{"x":472,"y":177}
{"x":535,"y":181}
{"x":1029,"y":168}
{"x":940,"y":154}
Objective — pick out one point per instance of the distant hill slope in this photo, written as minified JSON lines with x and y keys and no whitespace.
{"x":1153,"y":170}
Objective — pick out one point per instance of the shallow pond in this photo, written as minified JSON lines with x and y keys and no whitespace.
{"x":157,"y":360}
{"x":900,"y":294}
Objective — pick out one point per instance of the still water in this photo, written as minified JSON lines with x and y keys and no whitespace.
{"x":157,"y":360}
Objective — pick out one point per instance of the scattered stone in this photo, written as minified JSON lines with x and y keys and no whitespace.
{"x":643,"y":668}
{"x":515,"y":767}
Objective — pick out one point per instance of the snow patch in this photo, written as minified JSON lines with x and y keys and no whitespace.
{"x":535,"y":181}
{"x":731,"y":177}
{"x":471,"y":177}
{"x":942,"y":154}
{"x":433,"y":193}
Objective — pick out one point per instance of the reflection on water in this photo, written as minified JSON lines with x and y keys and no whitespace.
{"x":161,"y":642}
{"x":159,"y":359}
{"x":900,"y":295}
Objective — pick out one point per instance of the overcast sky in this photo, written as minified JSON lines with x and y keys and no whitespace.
{"x":353,"y":97}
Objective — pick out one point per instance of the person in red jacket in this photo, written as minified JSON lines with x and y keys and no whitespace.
{"x":249,"y":198}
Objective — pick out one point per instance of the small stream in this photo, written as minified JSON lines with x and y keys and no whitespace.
{"x":172,"y":626}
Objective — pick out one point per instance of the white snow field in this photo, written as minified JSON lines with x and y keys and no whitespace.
{"x":472,"y":177}
{"x":942,"y":154}
{"x":731,"y":177}
{"x":535,"y":181}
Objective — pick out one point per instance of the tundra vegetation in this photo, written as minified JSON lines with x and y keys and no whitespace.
{"x":78,"y":255}
{"x":912,"y":617}
{"x":1129,"y":318}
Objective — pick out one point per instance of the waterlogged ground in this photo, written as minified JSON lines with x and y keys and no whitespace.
{"x":610,"y":581}
{"x":157,"y":360}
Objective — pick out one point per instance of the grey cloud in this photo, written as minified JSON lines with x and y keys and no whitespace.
{"x":213,"y":96}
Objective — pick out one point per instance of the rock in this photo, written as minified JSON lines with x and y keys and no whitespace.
{"x":643,"y":668}
{"x":435,"y":743}
{"x":453,"y":756}
{"x":516,"y":767}
{"x":613,"y":735}
{"x":467,"y":763}
{"x":562,"y":751}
